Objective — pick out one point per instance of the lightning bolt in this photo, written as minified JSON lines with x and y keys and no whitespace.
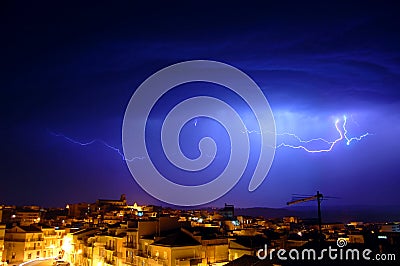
{"x":342,"y":131}
{"x":331,"y":143}
{"x":74,"y":141}
{"x":349,"y":140}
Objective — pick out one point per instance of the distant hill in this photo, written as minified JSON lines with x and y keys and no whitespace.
{"x":329,"y":213}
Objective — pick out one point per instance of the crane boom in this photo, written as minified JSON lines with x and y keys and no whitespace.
{"x":302,"y":200}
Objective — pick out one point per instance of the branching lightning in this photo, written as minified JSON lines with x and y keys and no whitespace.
{"x":331,"y":143}
{"x":342,"y":136}
{"x":98,"y":141}
{"x":342,"y":131}
{"x":349,"y":140}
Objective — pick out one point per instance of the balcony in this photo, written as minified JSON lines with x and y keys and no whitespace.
{"x":99,"y":244}
{"x":33,"y":248}
{"x":117,"y":254}
{"x":131,"y":261}
{"x":158,"y":261}
{"x":108,"y":247}
{"x":34,"y":239}
{"x":109,"y":261}
{"x":10,"y":239}
{"x":142,"y":254}
{"x":50,"y":235}
{"x":130,"y":245}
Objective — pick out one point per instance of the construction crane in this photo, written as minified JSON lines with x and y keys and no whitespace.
{"x":317,"y":197}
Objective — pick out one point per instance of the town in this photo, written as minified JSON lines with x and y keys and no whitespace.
{"x":115,"y":233}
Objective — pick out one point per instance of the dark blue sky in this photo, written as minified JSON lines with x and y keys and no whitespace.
{"x":72,"y":70}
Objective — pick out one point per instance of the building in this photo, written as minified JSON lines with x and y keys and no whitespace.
{"x":2,"y":249}
{"x":79,"y":209}
{"x":109,"y":205}
{"x":27,"y":217}
{"x":178,"y":248}
{"x":52,"y":241}
{"x":214,"y":246}
{"x":23,"y":243}
{"x":228,"y":212}
{"x":246,"y":245}
{"x":390,"y":228}
{"x":76,"y":244}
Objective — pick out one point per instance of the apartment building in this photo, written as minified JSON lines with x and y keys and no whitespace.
{"x":52,"y":241}
{"x":23,"y":243}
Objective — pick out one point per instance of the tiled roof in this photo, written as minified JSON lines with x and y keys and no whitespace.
{"x":177,"y":239}
{"x":30,"y":229}
{"x":251,"y":241}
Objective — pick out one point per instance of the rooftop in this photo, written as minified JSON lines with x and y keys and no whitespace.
{"x":177,"y":239}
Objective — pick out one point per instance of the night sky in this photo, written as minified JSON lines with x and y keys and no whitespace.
{"x":72,"y":70}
